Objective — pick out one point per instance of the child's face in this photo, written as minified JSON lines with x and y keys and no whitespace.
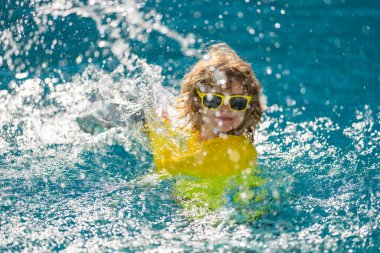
{"x":224,"y":119}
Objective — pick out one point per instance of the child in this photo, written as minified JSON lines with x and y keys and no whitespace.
{"x":221,"y":72}
{"x":220,"y":103}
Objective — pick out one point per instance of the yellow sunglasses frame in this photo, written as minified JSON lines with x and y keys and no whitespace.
{"x":203,"y":94}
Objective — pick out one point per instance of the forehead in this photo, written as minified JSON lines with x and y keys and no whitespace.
{"x":235,"y":87}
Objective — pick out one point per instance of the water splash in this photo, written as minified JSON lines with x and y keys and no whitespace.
{"x":63,"y":189}
{"x":117,"y":25}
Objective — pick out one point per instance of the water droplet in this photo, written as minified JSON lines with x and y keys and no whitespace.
{"x":366,"y":29}
{"x":251,"y":30}
{"x":79,"y":59}
{"x":197,"y":14}
{"x":21,"y":75}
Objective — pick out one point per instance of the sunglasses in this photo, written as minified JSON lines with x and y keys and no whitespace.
{"x":214,"y":101}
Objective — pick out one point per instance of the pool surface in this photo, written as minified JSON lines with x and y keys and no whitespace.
{"x":62,"y":189}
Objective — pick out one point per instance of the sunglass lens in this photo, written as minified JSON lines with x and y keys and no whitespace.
{"x":238,"y":103}
{"x":212,"y":101}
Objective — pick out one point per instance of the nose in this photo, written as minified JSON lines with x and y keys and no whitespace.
{"x":224,"y":107}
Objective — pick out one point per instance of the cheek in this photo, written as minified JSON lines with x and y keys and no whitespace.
{"x":239,"y":117}
{"x":208,"y":116}
{"x":207,"y":113}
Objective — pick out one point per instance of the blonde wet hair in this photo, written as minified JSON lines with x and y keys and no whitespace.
{"x":220,"y":60}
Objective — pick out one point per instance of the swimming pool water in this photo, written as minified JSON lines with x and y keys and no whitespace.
{"x":64,"y":190}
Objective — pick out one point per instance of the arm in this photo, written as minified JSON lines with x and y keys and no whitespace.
{"x":102,"y":116}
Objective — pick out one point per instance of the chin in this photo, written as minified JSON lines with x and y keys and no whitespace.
{"x":225,"y":129}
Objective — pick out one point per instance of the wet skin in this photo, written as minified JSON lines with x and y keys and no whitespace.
{"x":223,"y":120}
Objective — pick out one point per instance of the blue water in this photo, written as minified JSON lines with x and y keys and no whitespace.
{"x":64,"y":190}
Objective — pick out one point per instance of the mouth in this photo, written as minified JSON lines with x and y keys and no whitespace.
{"x":225,"y":119}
